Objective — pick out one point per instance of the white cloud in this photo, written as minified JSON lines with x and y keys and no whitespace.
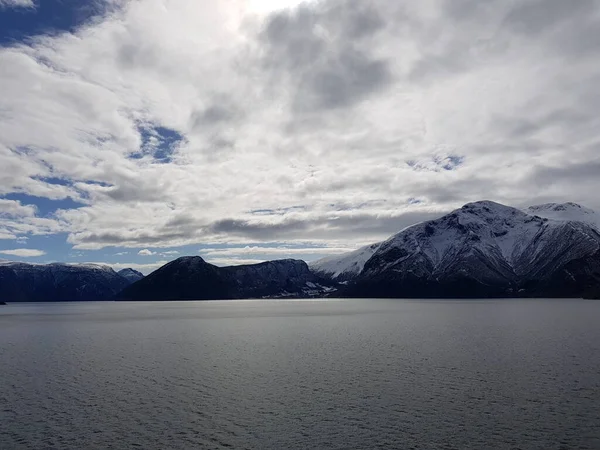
{"x":4,"y":234}
{"x":146,"y":252}
{"x":223,"y":262}
{"x":255,"y":254}
{"x":306,"y":127}
{"x":24,"y":252}
{"x":13,"y":208}
{"x":17,"y":4}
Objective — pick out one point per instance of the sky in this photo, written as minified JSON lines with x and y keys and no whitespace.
{"x":134,"y":132}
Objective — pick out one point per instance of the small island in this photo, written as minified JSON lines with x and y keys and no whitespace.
{"x":2,"y":303}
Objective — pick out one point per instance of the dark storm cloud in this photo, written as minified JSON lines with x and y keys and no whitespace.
{"x":324,"y":50}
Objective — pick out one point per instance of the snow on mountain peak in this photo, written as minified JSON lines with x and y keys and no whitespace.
{"x":487,"y":226}
{"x":566,"y":212}
{"x":341,"y":267}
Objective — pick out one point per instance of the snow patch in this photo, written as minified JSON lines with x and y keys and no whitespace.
{"x":349,"y":264}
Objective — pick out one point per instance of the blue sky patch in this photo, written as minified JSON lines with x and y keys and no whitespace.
{"x":159,"y":142}
{"x":453,"y":162}
{"x":45,"y":206}
{"x":48,"y":17}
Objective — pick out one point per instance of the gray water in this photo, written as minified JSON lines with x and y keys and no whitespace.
{"x":326,"y":374}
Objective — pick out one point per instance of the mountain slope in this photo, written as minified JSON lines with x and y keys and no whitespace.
{"x":593,"y":293}
{"x":344,"y":267}
{"x":283,"y":278}
{"x":192,"y":278}
{"x":186,"y":278}
{"x":565,"y":212}
{"x":21,"y":282}
{"x":484,"y":249}
{"x":131,"y":275}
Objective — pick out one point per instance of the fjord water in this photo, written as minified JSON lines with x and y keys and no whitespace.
{"x":495,"y":374}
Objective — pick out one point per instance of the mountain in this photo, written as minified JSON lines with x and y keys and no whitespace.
{"x":484,"y":249}
{"x":566,"y":212}
{"x":186,"y":278}
{"x":192,"y":278}
{"x":593,"y":294}
{"x":344,"y":267}
{"x":131,"y":275}
{"x":283,"y":278}
{"x":21,"y":282}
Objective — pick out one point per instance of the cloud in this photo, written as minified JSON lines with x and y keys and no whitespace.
{"x":323,"y":53}
{"x":18,"y":220}
{"x":17,"y":4}
{"x":282,"y":251}
{"x":224,"y":262}
{"x":437,"y":163}
{"x":23,"y":252}
{"x":146,"y":252}
{"x":180,"y":123}
{"x":13,"y":208}
{"x":255,"y":254}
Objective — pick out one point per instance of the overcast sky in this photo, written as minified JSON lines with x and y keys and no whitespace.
{"x":132,"y":132}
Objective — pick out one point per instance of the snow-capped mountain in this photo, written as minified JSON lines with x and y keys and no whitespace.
{"x":566,"y":211}
{"x":21,"y":282}
{"x":192,"y":278}
{"x":344,"y":267}
{"x":484,"y":249}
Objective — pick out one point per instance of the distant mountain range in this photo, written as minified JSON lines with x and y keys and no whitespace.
{"x":20,"y":282}
{"x":483,"y":249}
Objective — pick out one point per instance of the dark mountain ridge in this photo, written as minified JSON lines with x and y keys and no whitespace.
{"x":192,"y":278}
{"x":131,"y":275}
{"x":22,"y":282}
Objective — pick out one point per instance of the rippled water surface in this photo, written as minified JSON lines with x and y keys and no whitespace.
{"x":505,"y":374}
